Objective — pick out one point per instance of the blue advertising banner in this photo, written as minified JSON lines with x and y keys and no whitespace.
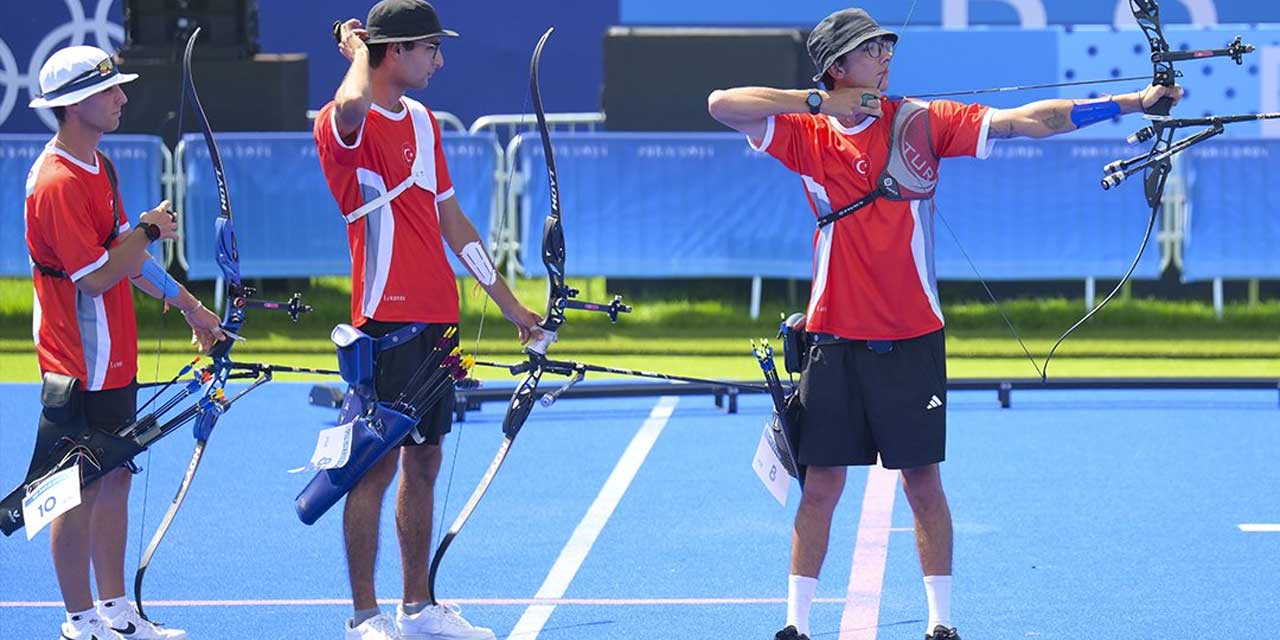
{"x":951,"y":13}
{"x":486,"y":70}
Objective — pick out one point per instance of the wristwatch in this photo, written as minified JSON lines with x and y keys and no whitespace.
{"x":814,"y":100}
{"x":152,"y":230}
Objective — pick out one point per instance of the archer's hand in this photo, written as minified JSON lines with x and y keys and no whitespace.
{"x":351,"y":37}
{"x":851,"y":101}
{"x":526,"y":321}
{"x":1152,"y":94}
{"x":162,"y":216}
{"x":206,"y":328}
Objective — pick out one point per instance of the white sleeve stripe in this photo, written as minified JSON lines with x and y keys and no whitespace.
{"x":985,"y":145}
{"x":768,"y":137}
{"x":333,"y":120}
{"x":75,"y":277}
{"x":445,"y":196}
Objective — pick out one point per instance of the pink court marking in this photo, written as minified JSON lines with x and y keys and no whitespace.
{"x":501,"y":602}
{"x":861,"y":615}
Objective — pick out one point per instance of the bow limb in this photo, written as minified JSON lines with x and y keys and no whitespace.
{"x":1160,"y":161}
{"x":558,"y":299}
{"x":210,"y":417}
{"x":553,"y":250}
{"x":517,"y":412}
{"x":213,"y":403}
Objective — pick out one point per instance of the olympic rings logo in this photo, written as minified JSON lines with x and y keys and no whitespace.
{"x":74,"y":32}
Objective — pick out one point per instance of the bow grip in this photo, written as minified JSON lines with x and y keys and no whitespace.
{"x":540,"y":345}
{"x":1161,"y":107}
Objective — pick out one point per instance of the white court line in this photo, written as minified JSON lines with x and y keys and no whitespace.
{"x":584,"y":536}
{"x":861,"y":615}
{"x":489,"y":602}
{"x":1259,"y":528}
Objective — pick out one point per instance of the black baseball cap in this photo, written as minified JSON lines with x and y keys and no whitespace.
{"x":840,"y":33}
{"x":402,"y":21}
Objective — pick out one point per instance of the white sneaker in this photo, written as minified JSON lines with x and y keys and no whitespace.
{"x":124,"y":620}
{"x":379,"y":627}
{"x":90,"y":628}
{"x":439,"y":622}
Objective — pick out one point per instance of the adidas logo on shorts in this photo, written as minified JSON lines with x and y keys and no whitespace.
{"x":934,"y":403}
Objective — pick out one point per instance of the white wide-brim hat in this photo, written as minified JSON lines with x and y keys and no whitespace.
{"x":75,"y":73}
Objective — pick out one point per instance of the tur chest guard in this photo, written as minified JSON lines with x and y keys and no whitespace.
{"x":912,"y":170}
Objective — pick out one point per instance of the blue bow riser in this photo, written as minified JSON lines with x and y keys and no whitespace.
{"x":371,"y":438}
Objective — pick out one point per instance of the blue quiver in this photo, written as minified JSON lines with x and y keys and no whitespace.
{"x":356,"y":351}
{"x":373,"y":434}
{"x":376,"y":428}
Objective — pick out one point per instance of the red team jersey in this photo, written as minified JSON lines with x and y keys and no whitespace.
{"x":69,"y":215}
{"x":873,"y":276}
{"x":399,"y":270}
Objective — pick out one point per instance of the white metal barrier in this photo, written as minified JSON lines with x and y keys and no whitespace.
{"x":167,"y":186}
{"x":508,"y":125}
{"x":178,"y":179}
{"x":509,"y":185}
{"x":504,"y":225}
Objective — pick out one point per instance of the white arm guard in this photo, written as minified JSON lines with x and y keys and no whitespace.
{"x":477,"y":260}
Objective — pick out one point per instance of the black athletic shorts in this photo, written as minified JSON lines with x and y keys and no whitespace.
{"x":858,"y":403}
{"x":108,"y":410}
{"x":394,"y":368}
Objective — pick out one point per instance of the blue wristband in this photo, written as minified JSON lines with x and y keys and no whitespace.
{"x":1083,"y":115}
{"x":155,"y":274}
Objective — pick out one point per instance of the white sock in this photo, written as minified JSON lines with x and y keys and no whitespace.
{"x":800,"y":592}
{"x":363,"y":614}
{"x":78,"y":618}
{"x":113,"y":607}
{"x":938,"y":590}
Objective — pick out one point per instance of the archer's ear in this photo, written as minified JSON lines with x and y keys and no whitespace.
{"x":834,"y":72}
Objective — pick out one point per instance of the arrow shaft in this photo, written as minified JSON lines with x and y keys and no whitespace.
{"x":1028,"y":87}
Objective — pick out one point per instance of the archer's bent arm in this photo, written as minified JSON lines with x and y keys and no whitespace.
{"x":178,"y":296}
{"x":465,"y":242}
{"x":155,"y":282}
{"x":126,"y":257}
{"x":123,"y":259}
{"x":747,"y":109}
{"x":354,"y":96}
{"x":1046,"y":118}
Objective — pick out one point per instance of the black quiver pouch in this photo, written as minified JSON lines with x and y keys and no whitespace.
{"x":795,"y":343}
{"x":64,"y":430}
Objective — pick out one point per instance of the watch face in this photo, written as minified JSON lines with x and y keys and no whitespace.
{"x":814,"y":99}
